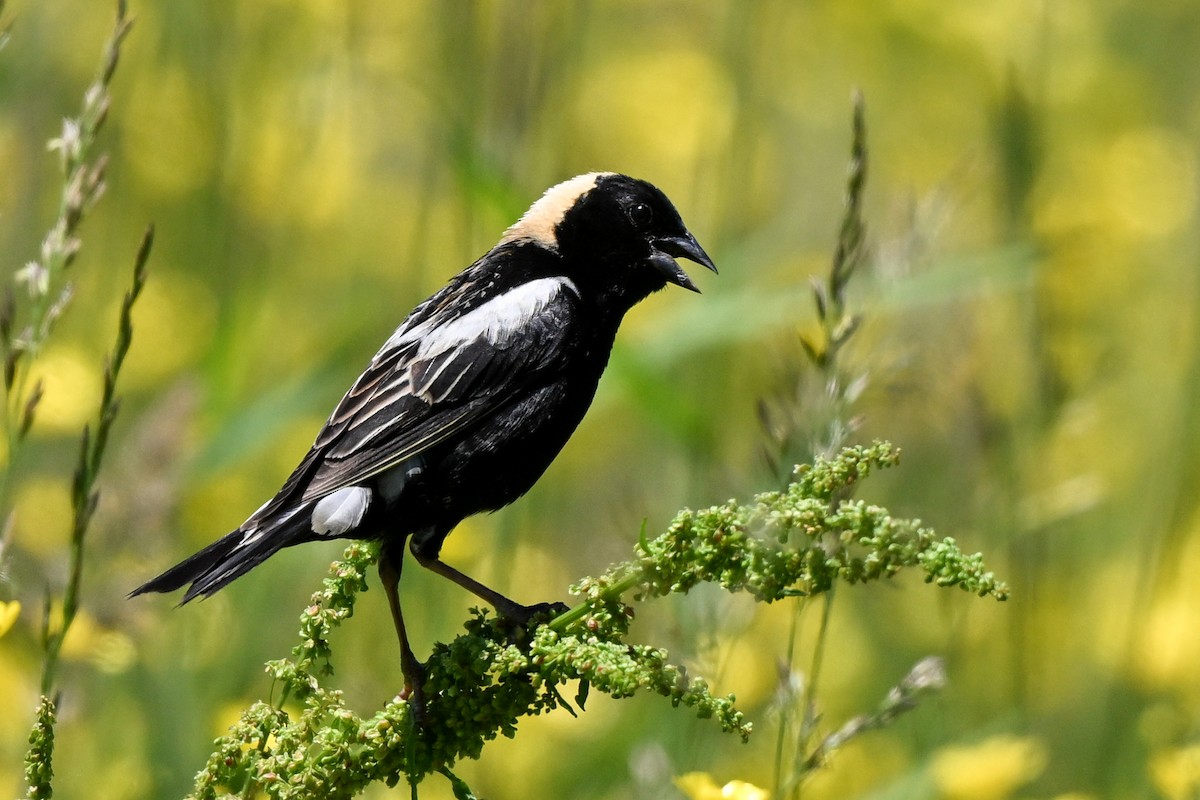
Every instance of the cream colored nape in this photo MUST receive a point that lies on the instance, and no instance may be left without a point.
(538, 223)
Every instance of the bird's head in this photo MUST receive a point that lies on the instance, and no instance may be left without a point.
(614, 232)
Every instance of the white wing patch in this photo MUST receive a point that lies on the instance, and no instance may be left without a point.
(339, 512)
(498, 318)
(495, 320)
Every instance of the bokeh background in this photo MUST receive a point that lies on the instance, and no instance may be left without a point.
(315, 169)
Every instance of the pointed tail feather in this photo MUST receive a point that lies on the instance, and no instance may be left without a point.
(225, 560)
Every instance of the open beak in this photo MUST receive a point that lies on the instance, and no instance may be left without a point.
(664, 251)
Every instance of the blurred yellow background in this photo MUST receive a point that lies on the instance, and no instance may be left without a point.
(316, 169)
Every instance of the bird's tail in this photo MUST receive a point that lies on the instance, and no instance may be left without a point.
(225, 560)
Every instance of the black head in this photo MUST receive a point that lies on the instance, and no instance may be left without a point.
(617, 232)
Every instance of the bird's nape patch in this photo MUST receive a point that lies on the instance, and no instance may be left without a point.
(538, 223)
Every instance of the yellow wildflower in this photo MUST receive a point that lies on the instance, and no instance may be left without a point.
(990, 770)
(1176, 772)
(701, 786)
(8, 615)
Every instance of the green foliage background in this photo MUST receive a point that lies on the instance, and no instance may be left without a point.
(315, 169)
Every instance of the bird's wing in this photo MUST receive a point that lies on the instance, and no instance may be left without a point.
(436, 376)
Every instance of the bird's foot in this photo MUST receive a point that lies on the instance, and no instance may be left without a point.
(538, 612)
(414, 692)
(519, 620)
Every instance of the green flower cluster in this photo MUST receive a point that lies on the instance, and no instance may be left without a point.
(39, 760)
(798, 541)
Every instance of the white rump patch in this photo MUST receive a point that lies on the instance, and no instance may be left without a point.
(337, 513)
(538, 223)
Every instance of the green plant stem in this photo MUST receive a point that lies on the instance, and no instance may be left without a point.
(83, 183)
(786, 704)
(577, 613)
(837, 327)
(84, 496)
(809, 703)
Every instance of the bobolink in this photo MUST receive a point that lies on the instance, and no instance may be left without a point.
(472, 397)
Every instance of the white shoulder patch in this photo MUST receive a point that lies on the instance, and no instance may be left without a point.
(538, 223)
(494, 320)
(341, 511)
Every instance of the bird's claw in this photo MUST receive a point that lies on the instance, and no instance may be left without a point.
(542, 612)
(414, 692)
(520, 620)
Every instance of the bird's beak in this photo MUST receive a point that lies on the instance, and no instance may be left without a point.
(664, 251)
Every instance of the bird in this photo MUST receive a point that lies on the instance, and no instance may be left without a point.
(472, 397)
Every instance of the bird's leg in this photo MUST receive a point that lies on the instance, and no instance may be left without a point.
(391, 561)
(509, 610)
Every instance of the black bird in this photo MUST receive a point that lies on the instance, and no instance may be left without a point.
(472, 397)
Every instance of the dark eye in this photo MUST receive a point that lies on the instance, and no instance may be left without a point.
(641, 215)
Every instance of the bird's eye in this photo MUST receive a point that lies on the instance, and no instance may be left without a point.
(640, 215)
